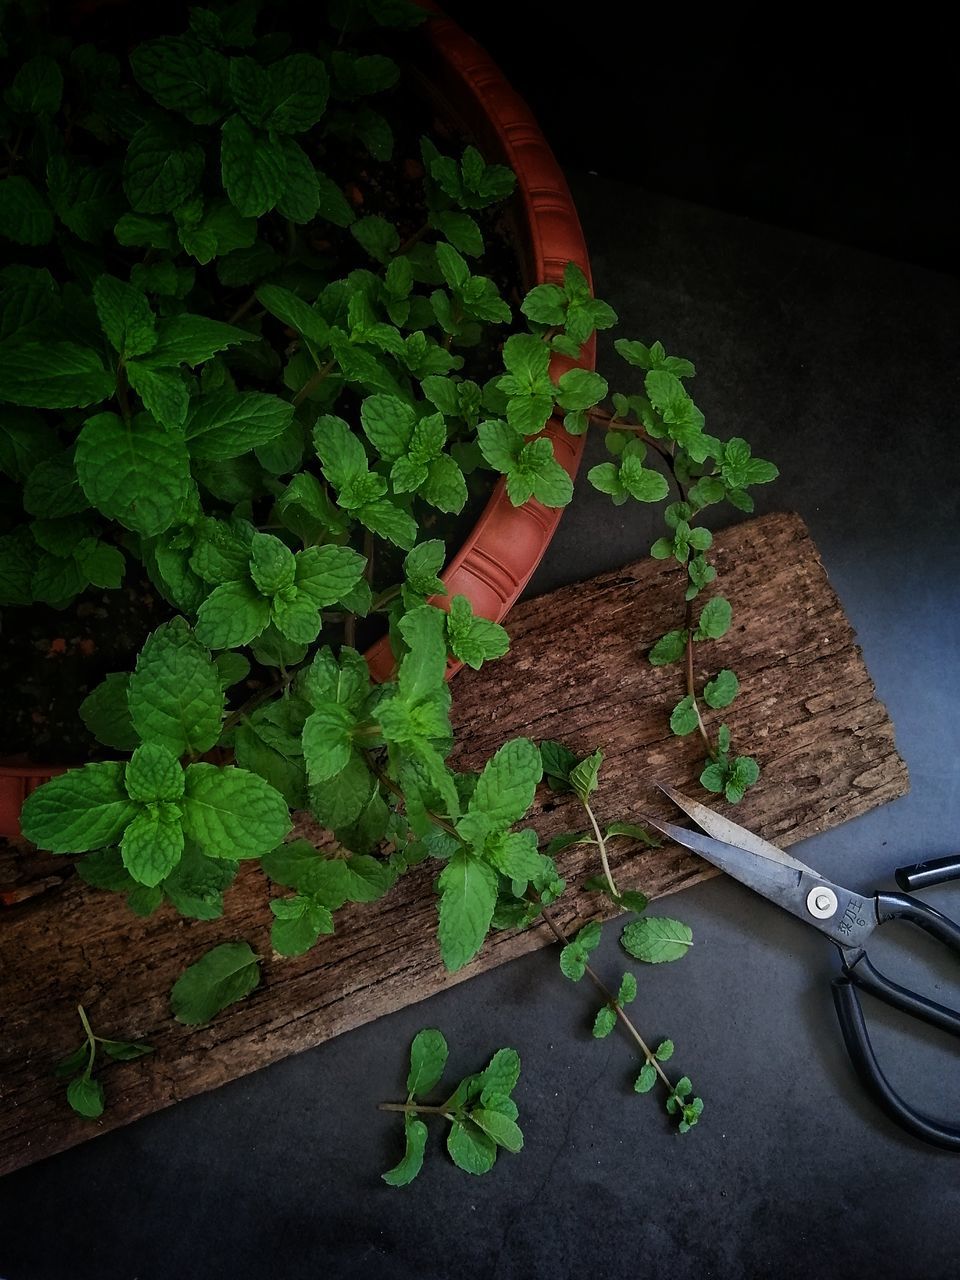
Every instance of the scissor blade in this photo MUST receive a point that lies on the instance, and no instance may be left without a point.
(721, 828)
(851, 918)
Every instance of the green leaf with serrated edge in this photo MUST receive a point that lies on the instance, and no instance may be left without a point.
(664, 1050)
(220, 978)
(300, 200)
(604, 1022)
(298, 91)
(501, 1074)
(428, 1057)
(293, 311)
(37, 87)
(153, 773)
(78, 811)
(327, 741)
(721, 690)
(175, 698)
(85, 1095)
(190, 339)
(227, 424)
(252, 168)
(137, 474)
(580, 389)
(73, 1062)
(515, 854)
(470, 1148)
(714, 620)
(557, 761)
(388, 422)
(474, 640)
(633, 832)
(504, 1131)
(182, 75)
(53, 375)
(106, 714)
(628, 989)
(272, 564)
(389, 522)
(656, 939)
(231, 668)
(232, 813)
(125, 1050)
(646, 1079)
(25, 216)
(298, 925)
(422, 566)
(125, 316)
(669, 648)
(163, 392)
(197, 883)
(506, 787)
(331, 679)
(152, 843)
(415, 1132)
(684, 718)
(367, 879)
(162, 168)
(468, 895)
(232, 615)
(583, 776)
(326, 574)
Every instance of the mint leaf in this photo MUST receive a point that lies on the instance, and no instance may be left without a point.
(53, 375)
(415, 1132)
(25, 216)
(669, 648)
(628, 989)
(470, 1148)
(722, 690)
(125, 315)
(175, 697)
(646, 1079)
(182, 75)
(504, 1131)
(252, 167)
(604, 1022)
(85, 1095)
(137, 474)
(506, 787)
(162, 168)
(656, 939)
(684, 718)
(36, 89)
(80, 810)
(300, 922)
(232, 813)
(162, 391)
(220, 978)
(664, 1051)
(473, 640)
(153, 843)
(428, 1057)
(327, 741)
(583, 777)
(326, 574)
(298, 92)
(153, 774)
(468, 895)
(106, 714)
(189, 339)
(232, 615)
(714, 619)
(227, 424)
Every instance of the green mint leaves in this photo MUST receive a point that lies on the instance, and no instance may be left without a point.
(84, 1093)
(218, 979)
(481, 1112)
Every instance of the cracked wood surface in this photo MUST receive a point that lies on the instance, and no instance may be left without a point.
(807, 710)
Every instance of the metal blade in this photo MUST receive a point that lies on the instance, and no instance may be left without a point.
(714, 824)
(846, 918)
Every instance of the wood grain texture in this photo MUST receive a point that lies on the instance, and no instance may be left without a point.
(577, 670)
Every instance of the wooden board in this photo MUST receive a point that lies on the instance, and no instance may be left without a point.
(577, 671)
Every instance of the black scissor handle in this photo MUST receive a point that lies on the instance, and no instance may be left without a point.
(861, 973)
(900, 906)
(865, 1061)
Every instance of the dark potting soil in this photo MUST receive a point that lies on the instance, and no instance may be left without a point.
(51, 659)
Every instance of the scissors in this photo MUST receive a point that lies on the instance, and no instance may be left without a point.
(848, 919)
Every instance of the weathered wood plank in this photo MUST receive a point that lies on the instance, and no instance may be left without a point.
(577, 671)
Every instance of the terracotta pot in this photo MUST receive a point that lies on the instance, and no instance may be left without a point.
(497, 560)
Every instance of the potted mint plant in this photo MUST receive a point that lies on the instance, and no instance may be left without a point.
(238, 364)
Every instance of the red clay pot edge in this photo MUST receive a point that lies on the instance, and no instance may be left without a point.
(498, 559)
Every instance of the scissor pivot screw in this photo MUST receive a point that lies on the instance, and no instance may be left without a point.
(822, 902)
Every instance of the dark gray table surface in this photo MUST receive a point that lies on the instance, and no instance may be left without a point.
(842, 367)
